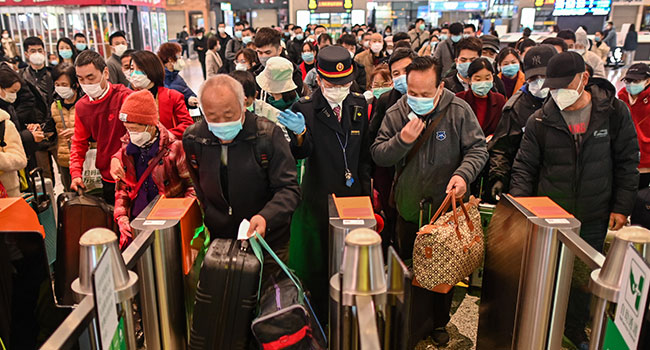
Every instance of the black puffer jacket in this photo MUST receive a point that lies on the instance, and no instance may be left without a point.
(505, 143)
(601, 178)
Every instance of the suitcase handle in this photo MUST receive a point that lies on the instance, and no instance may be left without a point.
(41, 202)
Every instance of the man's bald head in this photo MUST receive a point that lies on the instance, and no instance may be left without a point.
(222, 99)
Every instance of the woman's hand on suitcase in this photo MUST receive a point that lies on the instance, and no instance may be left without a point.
(458, 183)
(117, 169)
(125, 231)
(77, 183)
(258, 224)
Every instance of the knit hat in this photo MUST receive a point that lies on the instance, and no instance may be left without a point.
(140, 107)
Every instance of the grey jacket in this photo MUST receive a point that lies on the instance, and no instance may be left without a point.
(232, 48)
(456, 147)
(115, 74)
(445, 55)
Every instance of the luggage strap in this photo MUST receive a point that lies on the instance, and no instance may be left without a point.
(287, 340)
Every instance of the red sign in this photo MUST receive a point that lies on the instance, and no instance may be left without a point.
(148, 3)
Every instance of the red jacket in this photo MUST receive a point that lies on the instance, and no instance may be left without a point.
(171, 175)
(495, 104)
(640, 111)
(173, 112)
(98, 120)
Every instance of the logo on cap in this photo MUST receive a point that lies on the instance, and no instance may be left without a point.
(123, 117)
(537, 60)
(339, 66)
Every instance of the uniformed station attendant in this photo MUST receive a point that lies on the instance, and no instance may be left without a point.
(330, 131)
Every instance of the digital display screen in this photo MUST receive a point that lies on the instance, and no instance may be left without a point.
(581, 7)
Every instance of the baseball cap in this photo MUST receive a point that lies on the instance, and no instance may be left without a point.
(490, 42)
(637, 71)
(536, 60)
(562, 69)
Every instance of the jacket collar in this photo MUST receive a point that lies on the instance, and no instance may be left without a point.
(326, 115)
(643, 98)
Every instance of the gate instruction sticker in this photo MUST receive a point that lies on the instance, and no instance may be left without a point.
(632, 297)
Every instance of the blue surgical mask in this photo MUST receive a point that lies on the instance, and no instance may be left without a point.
(377, 92)
(420, 105)
(597, 38)
(226, 131)
(307, 56)
(443, 37)
(482, 88)
(400, 84)
(635, 88)
(422, 26)
(456, 38)
(300, 36)
(238, 34)
(462, 68)
(510, 70)
(80, 46)
(65, 53)
(246, 39)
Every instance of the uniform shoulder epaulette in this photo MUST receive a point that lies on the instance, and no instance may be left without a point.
(305, 99)
(356, 94)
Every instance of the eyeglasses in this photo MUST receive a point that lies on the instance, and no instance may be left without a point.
(384, 84)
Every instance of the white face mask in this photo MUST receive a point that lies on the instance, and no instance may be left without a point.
(119, 49)
(10, 97)
(535, 88)
(222, 30)
(376, 47)
(336, 94)
(37, 59)
(566, 97)
(241, 66)
(94, 91)
(64, 91)
(179, 65)
(5, 36)
(139, 81)
(140, 138)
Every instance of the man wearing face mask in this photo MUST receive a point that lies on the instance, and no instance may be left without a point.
(153, 159)
(267, 41)
(330, 129)
(505, 143)
(36, 73)
(233, 46)
(373, 57)
(201, 46)
(114, 63)
(242, 168)
(294, 49)
(96, 117)
(580, 149)
(446, 49)
(436, 144)
(419, 35)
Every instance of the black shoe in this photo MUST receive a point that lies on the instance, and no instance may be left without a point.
(440, 336)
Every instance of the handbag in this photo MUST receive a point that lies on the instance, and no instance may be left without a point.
(450, 247)
(286, 319)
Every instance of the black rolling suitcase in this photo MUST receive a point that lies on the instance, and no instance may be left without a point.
(226, 297)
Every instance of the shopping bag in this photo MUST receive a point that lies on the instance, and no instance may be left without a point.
(450, 247)
(91, 175)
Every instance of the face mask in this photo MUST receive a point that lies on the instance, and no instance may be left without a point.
(54, 62)
(238, 34)
(389, 51)
(400, 84)
(139, 80)
(80, 46)
(179, 65)
(535, 88)
(251, 108)
(5, 36)
(462, 68)
(10, 97)
(420, 105)
(287, 35)
(37, 59)
(65, 53)
(64, 91)
(510, 70)
(226, 131)
(489, 59)
(566, 97)
(222, 30)
(93, 90)
(481, 88)
(351, 54)
(456, 38)
(366, 44)
(213, 31)
(443, 37)
(263, 60)
(465, 35)
(307, 56)
(336, 94)
(281, 104)
(119, 49)
(376, 47)
(578, 51)
(635, 88)
(140, 138)
(380, 91)
(241, 66)
(300, 36)
(199, 36)
(247, 39)
(422, 26)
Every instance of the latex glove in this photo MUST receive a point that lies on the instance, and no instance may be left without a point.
(258, 224)
(117, 170)
(497, 189)
(617, 221)
(292, 121)
(459, 184)
(126, 237)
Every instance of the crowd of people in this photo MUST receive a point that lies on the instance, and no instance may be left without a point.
(398, 116)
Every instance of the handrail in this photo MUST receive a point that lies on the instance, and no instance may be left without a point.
(582, 250)
(67, 334)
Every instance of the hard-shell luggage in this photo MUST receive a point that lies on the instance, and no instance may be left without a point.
(226, 297)
(77, 214)
(41, 201)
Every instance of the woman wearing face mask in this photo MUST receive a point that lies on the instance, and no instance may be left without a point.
(67, 93)
(213, 61)
(509, 64)
(380, 83)
(9, 45)
(66, 51)
(277, 85)
(308, 55)
(170, 55)
(246, 60)
(637, 97)
(486, 104)
(147, 73)
(154, 163)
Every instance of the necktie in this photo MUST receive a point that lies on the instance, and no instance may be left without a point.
(337, 112)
